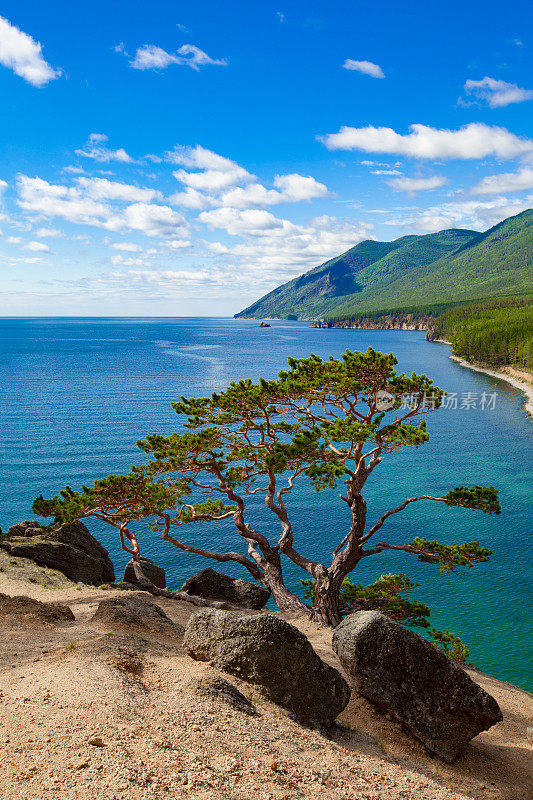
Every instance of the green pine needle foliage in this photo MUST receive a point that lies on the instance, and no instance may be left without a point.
(451, 557)
(387, 595)
(451, 645)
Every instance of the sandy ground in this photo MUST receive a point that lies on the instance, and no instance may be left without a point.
(521, 380)
(62, 685)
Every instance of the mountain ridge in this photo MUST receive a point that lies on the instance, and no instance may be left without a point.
(413, 271)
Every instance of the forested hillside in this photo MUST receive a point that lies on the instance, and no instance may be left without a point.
(497, 332)
(415, 272)
(355, 276)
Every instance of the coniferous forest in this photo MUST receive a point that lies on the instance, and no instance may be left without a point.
(497, 332)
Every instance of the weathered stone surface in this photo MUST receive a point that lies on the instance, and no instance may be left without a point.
(68, 548)
(135, 611)
(26, 610)
(216, 586)
(274, 656)
(152, 572)
(410, 679)
(216, 688)
(24, 528)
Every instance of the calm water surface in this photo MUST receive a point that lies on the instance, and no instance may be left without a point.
(77, 393)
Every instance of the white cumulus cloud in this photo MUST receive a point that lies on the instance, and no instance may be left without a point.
(291, 188)
(150, 56)
(476, 214)
(252, 222)
(52, 233)
(37, 247)
(213, 180)
(155, 220)
(199, 157)
(21, 53)
(127, 261)
(366, 67)
(219, 181)
(178, 244)
(475, 140)
(96, 148)
(413, 185)
(295, 188)
(505, 182)
(191, 199)
(51, 200)
(37, 196)
(253, 195)
(213, 174)
(497, 93)
(104, 189)
(128, 247)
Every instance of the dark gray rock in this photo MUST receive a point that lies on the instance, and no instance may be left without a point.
(152, 572)
(135, 612)
(414, 682)
(23, 528)
(215, 688)
(216, 586)
(272, 655)
(68, 548)
(20, 609)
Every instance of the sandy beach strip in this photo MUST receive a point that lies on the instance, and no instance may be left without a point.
(522, 384)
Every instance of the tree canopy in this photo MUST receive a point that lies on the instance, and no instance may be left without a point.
(325, 422)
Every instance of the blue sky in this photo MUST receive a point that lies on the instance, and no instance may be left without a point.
(183, 159)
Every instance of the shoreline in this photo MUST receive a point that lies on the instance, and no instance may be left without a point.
(516, 381)
(522, 385)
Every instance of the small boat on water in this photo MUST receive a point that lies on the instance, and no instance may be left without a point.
(264, 324)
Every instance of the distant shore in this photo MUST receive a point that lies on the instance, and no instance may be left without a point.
(522, 381)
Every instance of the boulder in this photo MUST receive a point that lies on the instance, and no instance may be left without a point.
(414, 682)
(152, 572)
(216, 586)
(135, 612)
(68, 548)
(26, 610)
(272, 655)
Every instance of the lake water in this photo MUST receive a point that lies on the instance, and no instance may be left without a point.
(77, 393)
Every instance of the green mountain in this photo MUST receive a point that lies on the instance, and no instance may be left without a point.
(414, 272)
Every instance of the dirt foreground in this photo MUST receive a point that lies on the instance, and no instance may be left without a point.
(89, 713)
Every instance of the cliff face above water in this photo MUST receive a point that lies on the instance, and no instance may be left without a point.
(389, 322)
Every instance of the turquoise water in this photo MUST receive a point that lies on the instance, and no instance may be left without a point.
(76, 394)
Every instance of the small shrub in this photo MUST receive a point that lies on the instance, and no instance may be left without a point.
(450, 645)
(387, 595)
